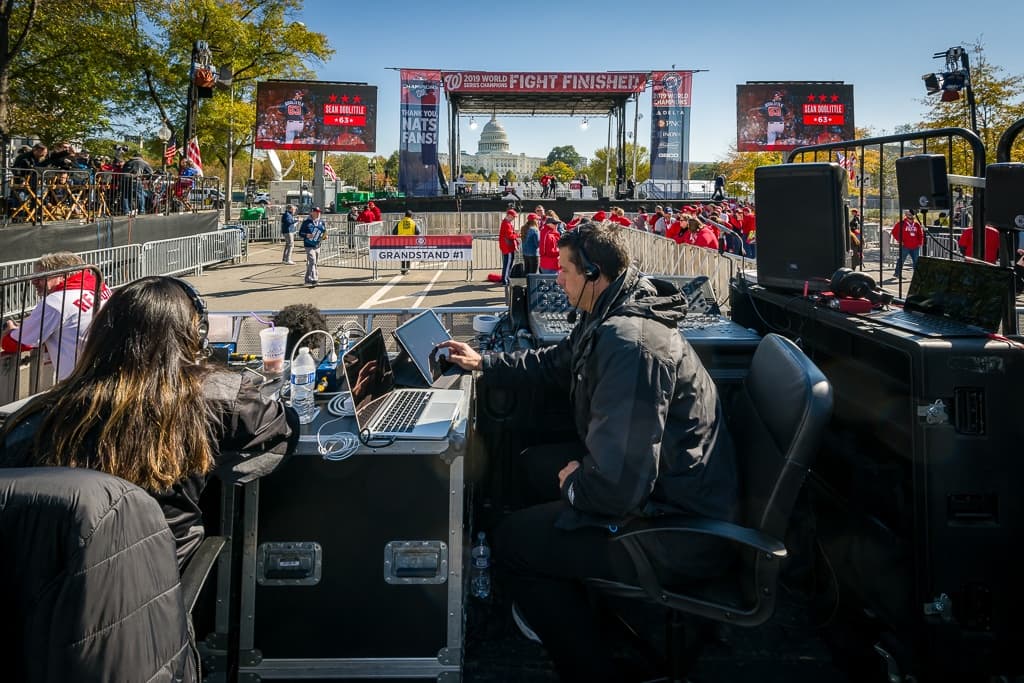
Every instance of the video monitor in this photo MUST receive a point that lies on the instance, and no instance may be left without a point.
(316, 115)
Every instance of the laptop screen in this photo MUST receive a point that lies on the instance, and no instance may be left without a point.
(965, 291)
(420, 337)
(369, 374)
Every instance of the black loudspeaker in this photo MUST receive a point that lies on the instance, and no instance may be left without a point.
(921, 182)
(801, 224)
(1004, 196)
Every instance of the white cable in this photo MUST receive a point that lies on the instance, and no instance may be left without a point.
(339, 446)
(331, 354)
(341, 405)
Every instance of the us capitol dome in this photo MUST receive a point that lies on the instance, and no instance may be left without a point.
(493, 139)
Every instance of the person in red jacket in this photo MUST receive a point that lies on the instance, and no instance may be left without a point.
(699, 235)
(508, 242)
(366, 215)
(549, 247)
(375, 209)
(909, 234)
(966, 243)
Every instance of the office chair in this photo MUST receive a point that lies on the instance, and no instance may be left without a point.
(91, 588)
(777, 422)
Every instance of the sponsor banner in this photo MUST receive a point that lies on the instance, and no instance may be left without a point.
(784, 115)
(543, 82)
(670, 125)
(421, 248)
(316, 115)
(419, 128)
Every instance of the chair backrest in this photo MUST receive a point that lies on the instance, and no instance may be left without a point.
(90, 582)
(777, 423)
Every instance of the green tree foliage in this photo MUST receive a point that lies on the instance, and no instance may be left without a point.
(566, 154)
(999, 102)
(391, 168)
(72, 69)
(596, 168)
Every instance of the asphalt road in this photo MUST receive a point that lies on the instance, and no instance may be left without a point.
(263, 283)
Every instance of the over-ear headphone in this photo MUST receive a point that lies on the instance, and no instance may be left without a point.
(850, 283)
(591, 271)
(203, 327)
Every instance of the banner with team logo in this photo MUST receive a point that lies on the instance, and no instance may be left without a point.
(417, 168)
(421, 248)
(670, 127)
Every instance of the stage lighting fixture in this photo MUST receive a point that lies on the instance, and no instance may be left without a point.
(584, 124)
(948, 83)
(931, 83)
(472, 123)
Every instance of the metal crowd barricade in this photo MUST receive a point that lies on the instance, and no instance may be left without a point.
(191, 253)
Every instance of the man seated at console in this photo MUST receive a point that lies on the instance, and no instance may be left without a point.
(142, 405)
(652, 440)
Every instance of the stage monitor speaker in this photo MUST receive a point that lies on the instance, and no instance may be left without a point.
(921, 182)
(1004, 196)
(802, 236)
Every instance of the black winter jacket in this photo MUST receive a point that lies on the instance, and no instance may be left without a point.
(644, 407)
(253, 434)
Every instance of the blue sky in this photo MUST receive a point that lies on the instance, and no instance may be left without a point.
(881, 47)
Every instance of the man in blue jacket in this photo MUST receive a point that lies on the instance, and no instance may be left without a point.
(312, 232)
(288, 233)
(651, 440)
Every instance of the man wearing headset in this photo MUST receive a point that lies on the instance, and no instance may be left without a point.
(652, 439)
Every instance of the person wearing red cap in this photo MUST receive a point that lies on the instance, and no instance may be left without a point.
(376, 211)
(508, 242)
(599, 216)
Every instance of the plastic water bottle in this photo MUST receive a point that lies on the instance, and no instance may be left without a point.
(303, 382)
(480, 576)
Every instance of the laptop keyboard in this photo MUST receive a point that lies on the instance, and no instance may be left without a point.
(404, 411)
(929, 325)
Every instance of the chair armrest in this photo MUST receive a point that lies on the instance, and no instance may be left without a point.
(194, 576)
(704, 525)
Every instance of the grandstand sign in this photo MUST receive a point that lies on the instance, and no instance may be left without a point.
(421, 248)
(543, 82)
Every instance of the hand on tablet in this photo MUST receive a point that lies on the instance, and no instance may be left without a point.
(459, 353)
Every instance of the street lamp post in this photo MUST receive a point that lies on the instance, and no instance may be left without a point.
(372, 168)
(164, 134)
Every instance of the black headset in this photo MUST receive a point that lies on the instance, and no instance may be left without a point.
(591, 271)
(203, 328)
(850, 283)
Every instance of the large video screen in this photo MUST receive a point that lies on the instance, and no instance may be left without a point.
(316, 115)
(778, 117)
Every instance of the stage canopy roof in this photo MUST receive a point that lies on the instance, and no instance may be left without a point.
(533, 93)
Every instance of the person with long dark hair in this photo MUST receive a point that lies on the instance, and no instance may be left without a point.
(143, 405)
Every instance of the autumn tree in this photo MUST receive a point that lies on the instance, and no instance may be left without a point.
(596, 168)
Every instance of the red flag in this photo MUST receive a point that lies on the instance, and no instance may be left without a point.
(329, 171)
(192, 152)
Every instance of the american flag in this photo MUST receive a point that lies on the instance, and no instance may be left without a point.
(192, 152)
(172, 149)
(847, 162)
(329, 171)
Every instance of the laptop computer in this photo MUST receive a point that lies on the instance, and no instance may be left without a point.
(384, 411)
(419, 338)
(952, 298)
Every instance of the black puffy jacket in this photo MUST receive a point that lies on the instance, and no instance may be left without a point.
(644, 407)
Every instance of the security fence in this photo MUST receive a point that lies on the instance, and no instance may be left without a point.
(37, 195)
